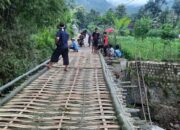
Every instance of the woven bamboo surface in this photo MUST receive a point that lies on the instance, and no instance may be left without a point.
(58, 100)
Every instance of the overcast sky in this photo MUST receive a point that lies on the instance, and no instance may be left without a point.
(134, 2)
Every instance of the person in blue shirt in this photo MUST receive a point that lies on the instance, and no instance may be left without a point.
(74, 45)
(61, 41)
(117, 52)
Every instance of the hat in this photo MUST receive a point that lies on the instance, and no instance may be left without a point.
(61, 25)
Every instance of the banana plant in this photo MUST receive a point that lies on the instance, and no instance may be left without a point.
(120, 25)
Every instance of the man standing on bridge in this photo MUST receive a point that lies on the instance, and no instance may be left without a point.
(61, 41)
(96, 37)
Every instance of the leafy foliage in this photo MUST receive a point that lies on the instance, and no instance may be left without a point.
(120, 11)
(154, 33)
(80, 15)
(26, 34)
(153, 8)
(4, 4)
(93, 17)
(120, 25)
(167, 32)
(142, 28)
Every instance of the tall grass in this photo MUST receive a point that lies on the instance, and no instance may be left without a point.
(149, 49)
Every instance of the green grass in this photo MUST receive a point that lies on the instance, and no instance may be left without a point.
(132, 48)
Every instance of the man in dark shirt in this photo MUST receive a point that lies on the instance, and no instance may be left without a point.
(89, 39)
(61, 41)
(96, 37)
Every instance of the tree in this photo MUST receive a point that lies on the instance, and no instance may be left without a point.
(142, 27)
(80, 15)
(93, 17)
(164, 16)
(176, 8)
(153, 8)
(91, 26)
(20, 22)
(108, 16)
(4, 4)
(31, 13)
(120, 11)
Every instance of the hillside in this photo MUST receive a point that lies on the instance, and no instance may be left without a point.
(102, 5)
(98, 5)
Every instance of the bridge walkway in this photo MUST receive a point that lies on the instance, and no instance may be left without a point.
(59, 100)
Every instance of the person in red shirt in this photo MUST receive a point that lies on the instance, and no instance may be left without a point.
(105, 43)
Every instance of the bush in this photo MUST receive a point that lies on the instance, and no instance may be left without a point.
(21, 53)
(168, 32)
(19, 49)
(142, 27)
(154, 33)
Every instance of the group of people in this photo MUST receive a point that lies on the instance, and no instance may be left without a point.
(82, 39)
(102, 43)
(99, 42)
(114, 52)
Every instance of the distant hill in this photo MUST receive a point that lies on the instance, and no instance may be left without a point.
(132, 9)
(102, 5)
(98, 5)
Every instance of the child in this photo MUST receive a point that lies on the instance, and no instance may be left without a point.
(110, 51)
(117, 52)
(74, 45)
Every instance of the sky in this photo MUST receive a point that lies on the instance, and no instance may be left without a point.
(130, 2)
